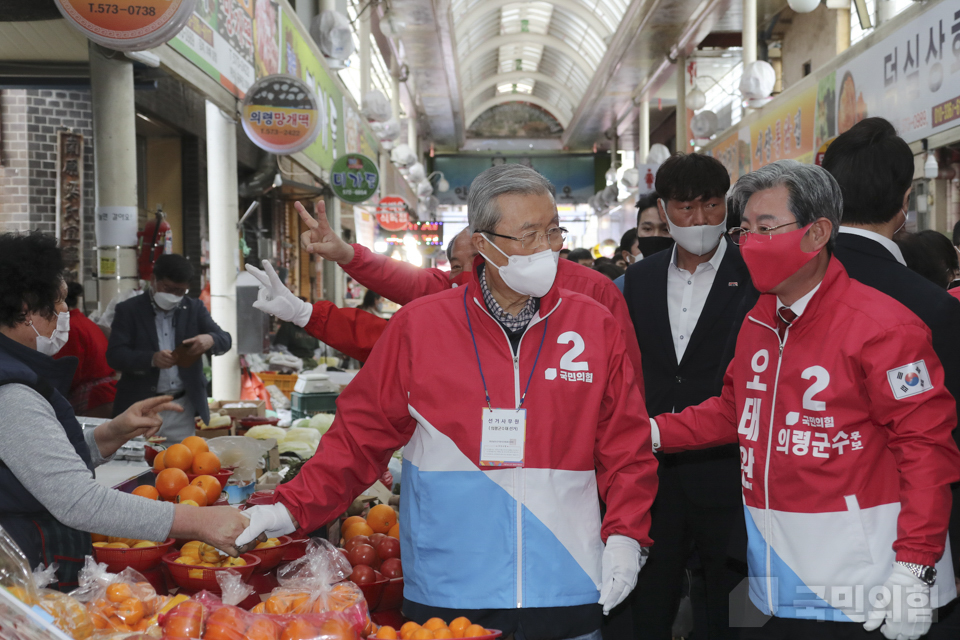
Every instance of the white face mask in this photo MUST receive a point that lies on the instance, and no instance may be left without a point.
(531, 275)
(698, 240)
(50, 346)
(167, 301)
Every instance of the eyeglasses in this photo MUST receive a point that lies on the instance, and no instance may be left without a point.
(532, 239)
(739, 234)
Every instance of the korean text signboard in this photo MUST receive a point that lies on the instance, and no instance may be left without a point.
(354, 178)
(280, 115)
(128, 25)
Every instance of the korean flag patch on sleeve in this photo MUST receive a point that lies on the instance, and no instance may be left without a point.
(909, 380)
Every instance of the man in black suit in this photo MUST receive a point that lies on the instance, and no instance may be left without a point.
(874, 168)
(156, 341)
(685, 304)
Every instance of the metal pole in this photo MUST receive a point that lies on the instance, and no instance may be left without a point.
(682, 141)
(364, 35)
(644, 125)
(115, 172)
(749, 35)
(223, 212)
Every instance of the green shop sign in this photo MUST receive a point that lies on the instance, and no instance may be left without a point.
(354, 178)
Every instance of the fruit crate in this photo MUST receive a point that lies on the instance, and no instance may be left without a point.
(305, 405)
(285, 382)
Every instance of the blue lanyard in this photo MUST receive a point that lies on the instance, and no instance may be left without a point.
(477, 352)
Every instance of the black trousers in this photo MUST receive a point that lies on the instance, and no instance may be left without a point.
(678, 528)
(793, 629)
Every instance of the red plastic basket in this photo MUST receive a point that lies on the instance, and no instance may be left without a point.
(196, 578)
(142, 559)
(270, 558)
(373, 592)
(392, 596)
(223, 475)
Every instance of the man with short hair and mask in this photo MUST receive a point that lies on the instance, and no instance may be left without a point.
(145, 336)
(685, 304)
(837, 401)
(518, 410)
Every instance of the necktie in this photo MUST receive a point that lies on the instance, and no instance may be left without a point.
(785, 318)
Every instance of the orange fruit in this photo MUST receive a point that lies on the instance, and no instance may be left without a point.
(263, 628)
(288, 602)
(299, 629)
(357, 529)
(381, 518)
(474, 631)
(158, 462)
(394, 531)
(146, 491)
(116, 545)
(259, 608)
(98, 537)
(118, 592)
(210, 485)
(407, 630)
(196, 494)
(457, 626)
(206, 463)
(434, 623)
(422, 634)
(386, 632)
(130, 611)
(178, 456)
(336, 629)
(443, 634)
(195, 444)
(171, 481)
(350, 521)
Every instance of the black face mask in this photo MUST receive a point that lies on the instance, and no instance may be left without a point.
(653, 244)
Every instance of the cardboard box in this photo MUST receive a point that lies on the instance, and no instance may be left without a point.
(259, 410)
(216, 433)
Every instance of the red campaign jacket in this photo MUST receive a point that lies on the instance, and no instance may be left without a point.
(587, 439)
(845, 446)
(352, 332)
(402, 282)
(89, 345)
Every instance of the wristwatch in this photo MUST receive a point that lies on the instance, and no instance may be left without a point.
(928, 575)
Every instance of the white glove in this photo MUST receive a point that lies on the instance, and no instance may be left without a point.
(903, 608)
(274, 298)
(620, 567)
(271, 519)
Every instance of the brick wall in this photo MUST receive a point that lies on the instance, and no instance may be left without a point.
(28, 187)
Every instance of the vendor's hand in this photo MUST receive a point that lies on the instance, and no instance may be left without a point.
(274, 297)
(199, 345)
(163, 359)
(217, 526)
(903, 607)
(272, 520)
(141, 419)
(321, 238)
(620, 567)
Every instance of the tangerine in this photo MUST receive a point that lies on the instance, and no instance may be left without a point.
(119, 592)
(146, 491)
(259, 608)
(299, 629)
(434, 623)
(196, 494)
(386, 632)
(381, 518)
(406, 631)
(210, 485)
(457, 625)
(170, 481)
(443, 634)
(336, 629)
(394, 531)
(357, 529)
(158, 462)
(206, 463)
(130, 611)
(351, 521)
(263, 628)
(422, 634)
(195, 444)
(178, 456)
(474, 631)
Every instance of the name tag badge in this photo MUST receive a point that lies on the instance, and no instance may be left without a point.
(502, 437)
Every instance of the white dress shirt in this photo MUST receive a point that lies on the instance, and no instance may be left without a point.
(884, 241)
(687, 293)
(800, 305)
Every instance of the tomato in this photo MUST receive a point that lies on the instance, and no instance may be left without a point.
(362, 574)
(375, 539)
(354, 541)
(392, 568)
(388, 548)
(362, 554)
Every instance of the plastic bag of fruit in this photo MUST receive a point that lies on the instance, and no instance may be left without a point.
(233, 590)
(15, 575)
(122, 602)
(220, 621)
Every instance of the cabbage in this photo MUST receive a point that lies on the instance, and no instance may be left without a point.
(302, 423)
(302, 449)
(322, 422)
(266, 431)
(295, 434)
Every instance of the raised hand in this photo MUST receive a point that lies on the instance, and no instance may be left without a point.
(274, 298)
(320, 238)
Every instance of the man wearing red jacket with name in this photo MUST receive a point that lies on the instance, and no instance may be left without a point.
(837, 400)
(518, 412)
(402, 282)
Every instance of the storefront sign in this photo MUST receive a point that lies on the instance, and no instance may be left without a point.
(911, 77)
(222, 39)
(128, 25)
(70, 201)
(571, 174)
(428, 233)
(784, 131)
(364, 227)
(392, 213)
(354, 178)
(280, 115)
